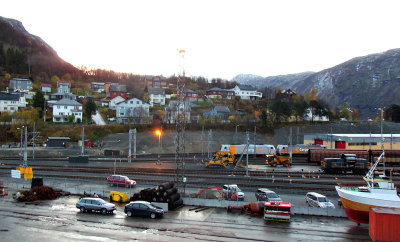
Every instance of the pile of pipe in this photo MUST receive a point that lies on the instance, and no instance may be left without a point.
(164, 193)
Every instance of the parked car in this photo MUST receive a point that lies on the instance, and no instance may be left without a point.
(264, 194)
(317, 200)
(232, 192)
(143, 209)
(120, 180)
(95, 204)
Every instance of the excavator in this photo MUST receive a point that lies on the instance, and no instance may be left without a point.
(274, 160)
(221, 159)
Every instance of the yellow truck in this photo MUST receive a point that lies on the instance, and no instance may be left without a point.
(274, 160)
(221, 158)
(118, 197)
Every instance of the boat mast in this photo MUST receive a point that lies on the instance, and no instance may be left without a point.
(382, 144)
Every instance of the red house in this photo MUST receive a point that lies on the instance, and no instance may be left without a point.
(116, 90)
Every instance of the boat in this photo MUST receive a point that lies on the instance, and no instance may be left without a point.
(378, 192)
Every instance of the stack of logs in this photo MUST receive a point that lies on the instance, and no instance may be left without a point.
(40, 193)
(164, 193)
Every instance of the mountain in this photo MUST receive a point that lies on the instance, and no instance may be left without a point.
(283, 81)
(365, 83)
(20, 48)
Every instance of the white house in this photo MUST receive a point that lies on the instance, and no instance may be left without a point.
(12, 101)
(157, 96)
(310, 117)
(20, 84)
(132, 111)
(172, 111)
(247, 92)
(113, 102)
(66, 107)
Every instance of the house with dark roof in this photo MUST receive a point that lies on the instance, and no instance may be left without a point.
(11, 102)
(191, 95)
(157, 96)
(220, 93)
(20, 84)
(97, 86)
(64, 108)
(222, 112)
(247, 92)
(116, 89)
(156, 82)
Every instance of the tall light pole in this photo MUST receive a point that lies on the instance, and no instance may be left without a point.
(158, 132)
(20, 143)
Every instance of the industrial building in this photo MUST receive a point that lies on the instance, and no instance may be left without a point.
(354, 141)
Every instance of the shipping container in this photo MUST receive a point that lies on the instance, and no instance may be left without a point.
(384, 224)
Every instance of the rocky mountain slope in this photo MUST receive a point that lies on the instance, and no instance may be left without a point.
(365, 83)
(36, 52)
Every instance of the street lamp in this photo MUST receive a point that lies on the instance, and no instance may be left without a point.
(158, 132)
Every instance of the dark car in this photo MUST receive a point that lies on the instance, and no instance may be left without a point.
(95, 204)
(264, 194)
(120, 180)
(143, 209)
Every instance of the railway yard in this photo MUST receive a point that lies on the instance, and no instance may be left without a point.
(189, 222)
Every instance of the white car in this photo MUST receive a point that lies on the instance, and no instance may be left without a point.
(317, 200)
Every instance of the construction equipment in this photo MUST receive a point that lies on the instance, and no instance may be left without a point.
(274, 160)
(221, 158)
(118, 197)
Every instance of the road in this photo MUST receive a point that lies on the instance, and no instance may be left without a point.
(98, 119)
(59, 220)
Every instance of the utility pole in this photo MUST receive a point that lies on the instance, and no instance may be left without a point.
(247, 153)
(297, 136)
(33, 142)
(83, 141)
(130, 146)
(202, 142)
(25, 151)
(44, 110)
(255, 148)
(134, 143)
(209, 143)
(290, 144)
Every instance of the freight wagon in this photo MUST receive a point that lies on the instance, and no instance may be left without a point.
(392, 157)
(259, 150)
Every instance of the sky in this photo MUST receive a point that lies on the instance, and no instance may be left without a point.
(221, 38)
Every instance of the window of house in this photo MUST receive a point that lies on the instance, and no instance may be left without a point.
(122, 114)
(58, 107)
(65, 107)
(5, 102)
(137, 102)
(5, 108)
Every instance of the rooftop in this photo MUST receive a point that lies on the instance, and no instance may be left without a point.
(68, 102)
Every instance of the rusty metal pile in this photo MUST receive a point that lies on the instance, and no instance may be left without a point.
(40, 193)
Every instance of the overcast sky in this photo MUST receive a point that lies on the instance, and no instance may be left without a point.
(221, 38)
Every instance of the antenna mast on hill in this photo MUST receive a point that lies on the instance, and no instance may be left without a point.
(180, 123)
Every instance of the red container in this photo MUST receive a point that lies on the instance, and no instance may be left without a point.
(384, 224)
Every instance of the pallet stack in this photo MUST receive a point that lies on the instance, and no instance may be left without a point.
(164, 193)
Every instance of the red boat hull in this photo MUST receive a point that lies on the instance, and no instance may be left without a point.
(357, 216)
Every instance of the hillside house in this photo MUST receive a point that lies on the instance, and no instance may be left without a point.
(113, 102)
(11, 102)
(66, 107)
(222, 112)
(191, 95)
(157, 96)
(247, 92)
(132, 111)
(45, 87)
(171, 111)
(156, 82)
(116, 89)
(19, 84)
(63, 87)
(310, 116)
(97, 86)
(220, 93)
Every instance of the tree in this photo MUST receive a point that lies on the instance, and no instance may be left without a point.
(39, 102)
(281, 109)
(299, 109)
(316, 109)
(264, 118)
(90, 108)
